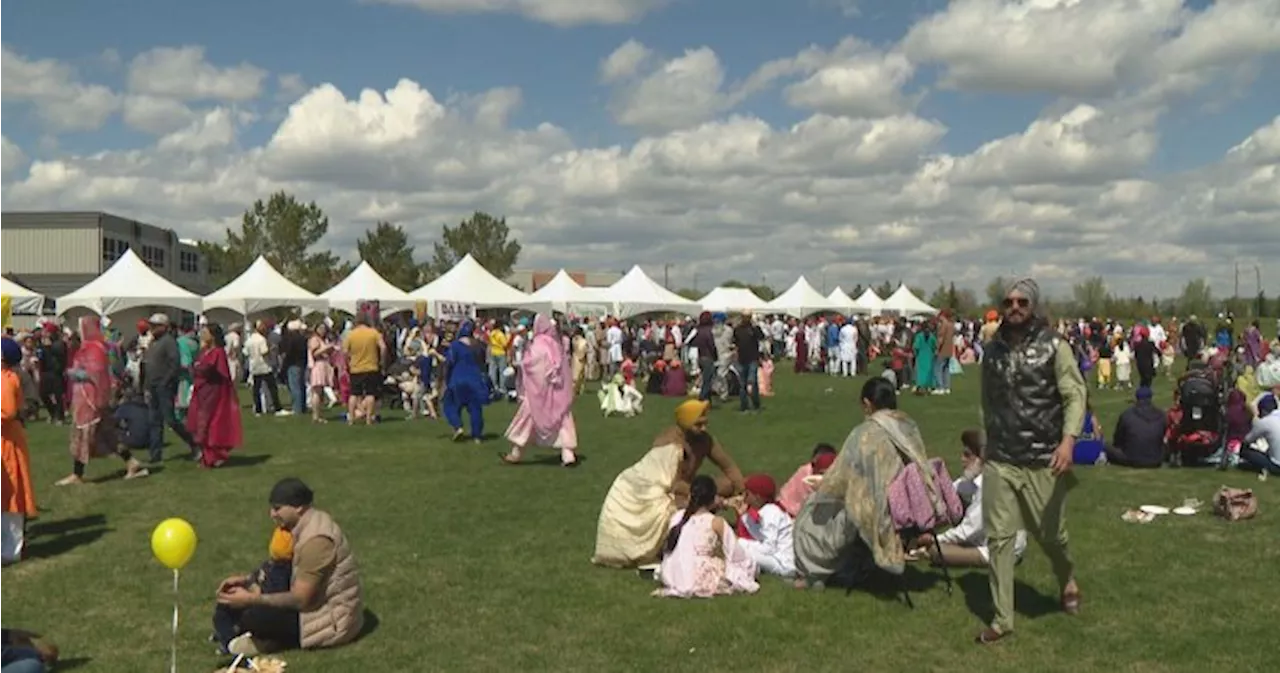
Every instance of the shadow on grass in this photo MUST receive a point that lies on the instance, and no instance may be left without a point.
(72, 663)
(545, 460)
(371, 624)
(118, 475)
(1027, 601)
(57, 537)
(245, 461)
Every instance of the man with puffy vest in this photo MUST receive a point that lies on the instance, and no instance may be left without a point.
(1033, 405)
(324, 606)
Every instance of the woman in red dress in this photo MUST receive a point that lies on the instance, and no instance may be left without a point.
(214, 416)
(802, 349)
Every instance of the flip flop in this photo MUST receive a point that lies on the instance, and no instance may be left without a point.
(990, 636)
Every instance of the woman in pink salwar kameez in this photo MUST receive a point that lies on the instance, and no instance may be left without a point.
(214, 416)
(701, 557)
(545, 417)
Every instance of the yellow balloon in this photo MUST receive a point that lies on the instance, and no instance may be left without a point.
(174, 543)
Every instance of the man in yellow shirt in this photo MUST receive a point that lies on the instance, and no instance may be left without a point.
(498, 342)
(365, 351)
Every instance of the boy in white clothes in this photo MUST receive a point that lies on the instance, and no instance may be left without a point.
(965, 545)
(764, 529)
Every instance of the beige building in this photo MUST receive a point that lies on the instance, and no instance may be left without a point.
(55, 253)
(531, 280)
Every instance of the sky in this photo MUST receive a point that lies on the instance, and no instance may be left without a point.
(851, 141)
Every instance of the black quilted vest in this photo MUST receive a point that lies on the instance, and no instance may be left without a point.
(1022, 407)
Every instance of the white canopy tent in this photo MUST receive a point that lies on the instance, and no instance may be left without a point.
(21, 299)
(904, 302)
(259, 288)
(128, 284)
(801, 300)
(470, 283)
(636, 293)
(868, 302)
(365, 284)
(839, 298)
(565, 295)
(732, 300)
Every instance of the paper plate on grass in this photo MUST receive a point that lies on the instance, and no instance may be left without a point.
(1155, 509)
(1184, 511)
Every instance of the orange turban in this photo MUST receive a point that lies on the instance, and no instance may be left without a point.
(281, 547)
(992, 315)
(689, 412)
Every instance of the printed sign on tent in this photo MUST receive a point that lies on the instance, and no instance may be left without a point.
(454, 311)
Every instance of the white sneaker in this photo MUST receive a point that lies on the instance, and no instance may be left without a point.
(1262, 476)
(284, 412)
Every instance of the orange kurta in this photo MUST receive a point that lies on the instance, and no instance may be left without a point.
(19, 498)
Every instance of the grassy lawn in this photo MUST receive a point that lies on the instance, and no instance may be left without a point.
(470, 565)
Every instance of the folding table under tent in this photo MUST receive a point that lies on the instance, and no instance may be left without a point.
(129, 284)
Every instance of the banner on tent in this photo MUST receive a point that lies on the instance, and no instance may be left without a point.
(453, 311)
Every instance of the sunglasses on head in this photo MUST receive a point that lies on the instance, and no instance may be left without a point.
(1020, 302)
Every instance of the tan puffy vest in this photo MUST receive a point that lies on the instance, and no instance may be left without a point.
(338, 615)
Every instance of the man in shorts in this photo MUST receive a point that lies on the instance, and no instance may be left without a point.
(365, 350)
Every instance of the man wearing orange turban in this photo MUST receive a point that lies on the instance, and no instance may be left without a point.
(637, 510)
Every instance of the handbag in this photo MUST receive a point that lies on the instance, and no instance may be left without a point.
(1235, 504)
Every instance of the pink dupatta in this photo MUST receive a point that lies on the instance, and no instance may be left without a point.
(547, 378)
(91, 383)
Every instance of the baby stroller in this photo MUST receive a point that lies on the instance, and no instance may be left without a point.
(1199, 431)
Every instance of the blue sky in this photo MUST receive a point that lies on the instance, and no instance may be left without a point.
(1175, 134)
(356, 45)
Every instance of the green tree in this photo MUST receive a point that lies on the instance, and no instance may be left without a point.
(884, 289)
(762, 291)
(690, 293)
(1197, 298)
(940, 299)
(996, 290)
(386, 248)
(283, 230)
(1091, 296)
(1262, 304)
(484, 237)
(856, 291)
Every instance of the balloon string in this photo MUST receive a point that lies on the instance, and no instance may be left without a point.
(173, 654)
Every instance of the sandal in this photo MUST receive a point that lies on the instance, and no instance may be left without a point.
(1071, 602)
(509, 459)
(990, 636)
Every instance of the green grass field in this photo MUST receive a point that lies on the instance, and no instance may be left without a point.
(470, 565)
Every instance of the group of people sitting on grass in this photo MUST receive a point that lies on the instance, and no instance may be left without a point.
(830, 522)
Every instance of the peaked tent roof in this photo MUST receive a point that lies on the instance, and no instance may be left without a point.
(24, 300)
(129, 283)
(905, 302)
(839, 298)
(868, 302)
(565, 295)
(636, 293)
(362, 284)
(470, 283)
(802, 300)
(732, 300)
(259, 288)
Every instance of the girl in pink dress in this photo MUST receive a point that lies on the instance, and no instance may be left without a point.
(701, 557)
(319, 370)
(766, 376)
(545, 389)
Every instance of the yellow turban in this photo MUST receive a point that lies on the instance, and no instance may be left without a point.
(689, 412)
(281, 547)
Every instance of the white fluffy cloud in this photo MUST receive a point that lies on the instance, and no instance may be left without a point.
(60, 100)
(859, 189)
(12, 157)
(555, 12)
(183, 73)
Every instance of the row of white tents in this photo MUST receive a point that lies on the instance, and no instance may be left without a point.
(132, 286)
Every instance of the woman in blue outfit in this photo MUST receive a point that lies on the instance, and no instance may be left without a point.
(466, 385)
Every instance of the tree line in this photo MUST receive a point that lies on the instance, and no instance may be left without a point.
(288, 233)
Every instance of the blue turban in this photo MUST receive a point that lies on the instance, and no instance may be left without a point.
(12, 352)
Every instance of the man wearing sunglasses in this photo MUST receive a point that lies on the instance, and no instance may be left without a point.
(1033, 405)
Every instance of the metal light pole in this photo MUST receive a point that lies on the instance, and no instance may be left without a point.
(666, 276)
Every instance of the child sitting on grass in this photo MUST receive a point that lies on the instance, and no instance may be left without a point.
(272, 577)
(802, 484)
(965, 545)
(764, 529)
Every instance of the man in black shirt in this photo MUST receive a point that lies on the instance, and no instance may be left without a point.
(293, 360)
(1139, 437)
(746, 343)
(161, 370)
(1193, 337)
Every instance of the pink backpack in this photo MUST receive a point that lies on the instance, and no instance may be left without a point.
(910, 506)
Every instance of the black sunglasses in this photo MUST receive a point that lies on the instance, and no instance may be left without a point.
(1020, 302)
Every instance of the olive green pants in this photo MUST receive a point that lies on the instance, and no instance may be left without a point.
(1029, 498)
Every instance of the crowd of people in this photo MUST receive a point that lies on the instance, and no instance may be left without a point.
(841, 517)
